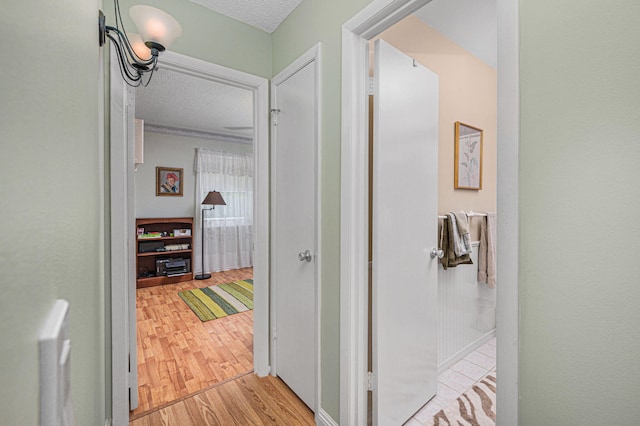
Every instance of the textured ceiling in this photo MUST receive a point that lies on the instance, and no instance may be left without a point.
(266, 15)
(184, 104)
(188, 104)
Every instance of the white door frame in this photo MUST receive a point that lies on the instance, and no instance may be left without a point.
(368, 23)
(122, 216)
(122, 268)
(314, 56)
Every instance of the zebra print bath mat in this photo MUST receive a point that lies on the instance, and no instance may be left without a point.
(475, 407)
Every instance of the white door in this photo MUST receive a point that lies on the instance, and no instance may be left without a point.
(294, 212)
(405, 220)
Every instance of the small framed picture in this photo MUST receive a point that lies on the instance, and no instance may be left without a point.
(468, 157)
(169, 181)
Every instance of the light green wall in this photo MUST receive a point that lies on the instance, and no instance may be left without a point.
(310, 23)
(162, 150)
(210, 36)
(51, 195)
(579, 200)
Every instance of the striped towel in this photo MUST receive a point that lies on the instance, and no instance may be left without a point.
(487, 251)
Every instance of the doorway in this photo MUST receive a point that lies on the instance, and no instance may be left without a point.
(296, 251)
(123, 330)
(464, 304)
(404, 183)
(363, 27)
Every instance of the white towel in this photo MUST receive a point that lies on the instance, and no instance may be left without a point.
(461, 238)
(487, 251)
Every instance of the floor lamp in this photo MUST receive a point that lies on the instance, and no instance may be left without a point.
(212, 199)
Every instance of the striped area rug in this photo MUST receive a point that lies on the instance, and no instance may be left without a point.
(475, 407)
(221, 300)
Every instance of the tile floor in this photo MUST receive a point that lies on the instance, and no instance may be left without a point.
(456, 380)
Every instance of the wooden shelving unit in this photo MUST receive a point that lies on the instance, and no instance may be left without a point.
(147, 271)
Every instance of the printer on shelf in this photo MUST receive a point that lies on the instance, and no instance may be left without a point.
(172, 267)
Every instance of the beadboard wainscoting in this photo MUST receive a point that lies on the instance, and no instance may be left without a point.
(467, 312)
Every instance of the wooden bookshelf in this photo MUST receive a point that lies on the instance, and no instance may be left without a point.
(149, 251)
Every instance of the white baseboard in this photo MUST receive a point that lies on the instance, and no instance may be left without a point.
(445, 365)
(324, 419)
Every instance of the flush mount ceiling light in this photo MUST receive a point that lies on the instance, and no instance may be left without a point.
(138, 53)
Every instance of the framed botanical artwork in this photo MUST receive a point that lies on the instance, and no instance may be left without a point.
(169, 181)
(467, 172)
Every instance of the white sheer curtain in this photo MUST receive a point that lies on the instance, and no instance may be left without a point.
(228, 230)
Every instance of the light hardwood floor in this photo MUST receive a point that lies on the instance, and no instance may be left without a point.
(178, 355)
(243, 401)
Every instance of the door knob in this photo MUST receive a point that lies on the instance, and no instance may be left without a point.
(304, 255)
(437, 253)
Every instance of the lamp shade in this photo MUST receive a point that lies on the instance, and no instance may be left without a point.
(139, 47)
(155, 26)
(214, 198)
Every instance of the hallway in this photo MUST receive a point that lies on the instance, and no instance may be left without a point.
(179, 355)
(244, 400)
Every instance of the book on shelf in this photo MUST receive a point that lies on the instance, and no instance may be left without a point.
(150, 235)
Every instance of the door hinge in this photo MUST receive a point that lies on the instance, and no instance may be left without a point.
(130, 97)
(274, 116)
(273, 333)
(370, 85)
(369, 381)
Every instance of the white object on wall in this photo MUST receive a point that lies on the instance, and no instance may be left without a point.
(139, 134)
(56, 408)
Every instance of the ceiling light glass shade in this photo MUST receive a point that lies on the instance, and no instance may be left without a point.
(157, 28)
(139, 47)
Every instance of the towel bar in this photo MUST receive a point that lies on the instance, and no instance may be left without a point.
(469, 214)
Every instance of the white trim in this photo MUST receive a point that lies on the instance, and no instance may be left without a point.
(318, 257)
(380, 15)
(131, 242)
(104, 215)
(302, 61)
(121, 270)
(353, 234)
(214, 72)
(170, 130)
(312, 55)
(261, 229)
(324, 419)
(455, 358)
(369, 22)
(507, 304)
(120, 219)
(260, 87)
